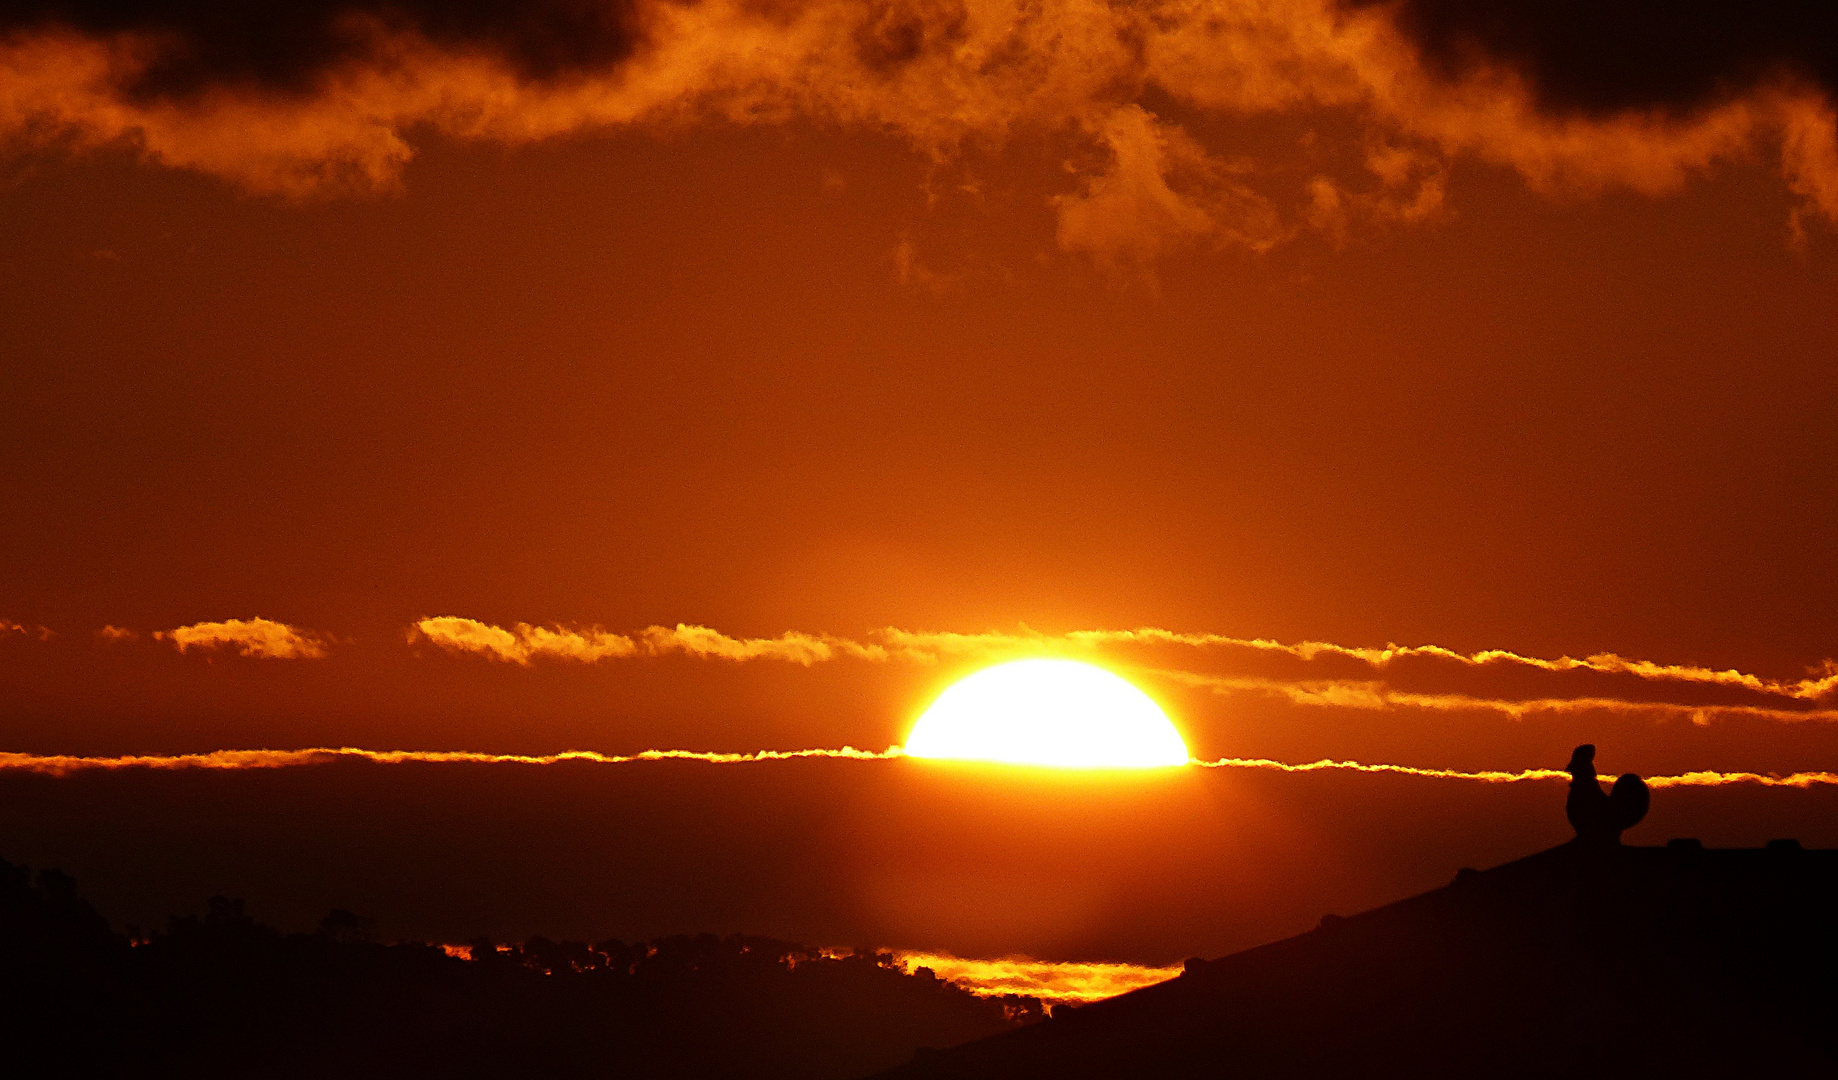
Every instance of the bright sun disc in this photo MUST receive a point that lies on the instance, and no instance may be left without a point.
(1048, 712)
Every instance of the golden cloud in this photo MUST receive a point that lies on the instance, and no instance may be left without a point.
(249, 637)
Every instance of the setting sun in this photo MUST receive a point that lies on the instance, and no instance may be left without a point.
(1048, 712)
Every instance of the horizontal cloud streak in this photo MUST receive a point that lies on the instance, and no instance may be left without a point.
(249, 637)
(523, 643)
(65, 764)
(328, 94)
(893, 643)
(1365, 694)
(791, 646)
(1704, 778)
(1606, 663)
(7, 626)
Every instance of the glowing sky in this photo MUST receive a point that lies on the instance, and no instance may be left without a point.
(503, 380)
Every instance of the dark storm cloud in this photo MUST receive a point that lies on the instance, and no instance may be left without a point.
(285, 45)
(309, 97)
(1585, 56)
(1580, 56)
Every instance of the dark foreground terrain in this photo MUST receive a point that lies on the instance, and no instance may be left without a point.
(224, 995)
(1585, 960)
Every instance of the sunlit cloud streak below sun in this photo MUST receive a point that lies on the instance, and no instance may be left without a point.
(66, 764)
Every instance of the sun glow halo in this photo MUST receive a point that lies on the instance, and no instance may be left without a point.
(1048, 712)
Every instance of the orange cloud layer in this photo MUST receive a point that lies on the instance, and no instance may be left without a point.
(249, 637)
(64, 764)
(1050, 981)
(946, 75)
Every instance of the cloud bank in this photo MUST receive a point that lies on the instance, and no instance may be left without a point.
(1156, 100)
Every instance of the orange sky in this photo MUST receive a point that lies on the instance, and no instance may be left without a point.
(1273, 320)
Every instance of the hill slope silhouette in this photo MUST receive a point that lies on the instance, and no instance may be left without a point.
(1590, 959)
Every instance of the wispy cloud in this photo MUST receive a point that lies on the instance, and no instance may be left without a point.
(249, 637)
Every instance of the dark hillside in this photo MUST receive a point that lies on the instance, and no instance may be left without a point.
(1584, 960)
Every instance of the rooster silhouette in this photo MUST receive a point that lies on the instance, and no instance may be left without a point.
(1599, 818)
